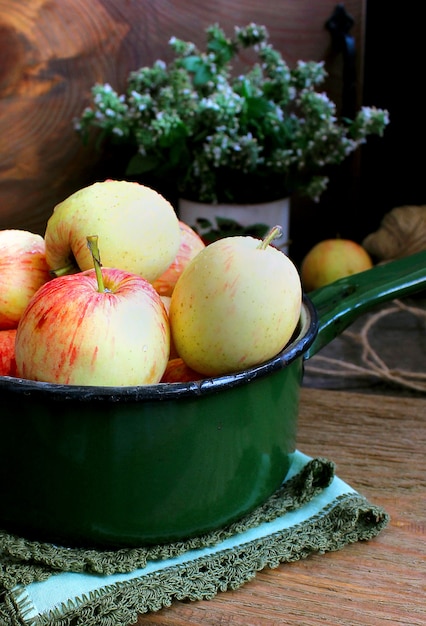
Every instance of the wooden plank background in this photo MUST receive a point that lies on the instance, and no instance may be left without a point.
(53, 51)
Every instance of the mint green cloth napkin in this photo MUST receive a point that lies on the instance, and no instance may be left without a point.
(314, 511)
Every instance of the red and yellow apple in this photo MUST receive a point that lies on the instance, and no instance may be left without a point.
(23, 269)
(7, 352)
(191, 244)
(73, 333)
(138, 227)
(177, 371)
(236, 304)
(332, 259)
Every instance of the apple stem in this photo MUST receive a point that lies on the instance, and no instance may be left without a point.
(92, 244)
(71, 268)
(274, 233)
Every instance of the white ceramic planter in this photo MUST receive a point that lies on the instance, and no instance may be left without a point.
(246, 215)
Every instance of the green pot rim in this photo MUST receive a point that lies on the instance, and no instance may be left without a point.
(302, 339)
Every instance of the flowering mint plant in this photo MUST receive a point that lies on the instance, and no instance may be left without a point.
(224, 136)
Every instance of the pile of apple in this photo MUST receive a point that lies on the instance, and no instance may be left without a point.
(120, 292)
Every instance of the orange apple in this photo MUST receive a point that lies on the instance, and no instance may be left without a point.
(177, 371)
(166, 301)
(190, 245)
(7, 352)
(332, 259)
(23, 269)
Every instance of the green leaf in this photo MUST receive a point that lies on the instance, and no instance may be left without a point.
(227, 227)
(179, 155)
(224, 50)
(257, 107)
(246, 89)
(191, 63)
(204, 223)
(227, 224)
(139, 165)
(257, 230)
(200, 70)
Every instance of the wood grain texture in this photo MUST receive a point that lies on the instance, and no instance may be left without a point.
(378, 444)
(53, 51)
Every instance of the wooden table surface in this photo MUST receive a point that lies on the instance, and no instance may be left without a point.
(378, 443)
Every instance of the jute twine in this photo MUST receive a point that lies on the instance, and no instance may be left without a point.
(373, 364)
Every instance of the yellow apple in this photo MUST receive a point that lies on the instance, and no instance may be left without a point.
(138, 227)
(236, 304)
(23, 269)
(332, 259)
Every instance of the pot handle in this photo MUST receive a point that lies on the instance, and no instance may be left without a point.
(343, 301)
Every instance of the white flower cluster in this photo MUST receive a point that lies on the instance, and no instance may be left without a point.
(267, 131)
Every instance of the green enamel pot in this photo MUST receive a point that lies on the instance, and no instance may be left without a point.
(131, 466)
